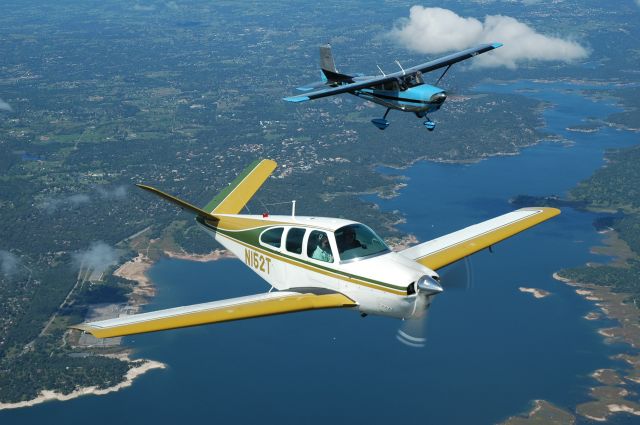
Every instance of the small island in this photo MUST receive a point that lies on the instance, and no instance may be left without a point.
(537, 293)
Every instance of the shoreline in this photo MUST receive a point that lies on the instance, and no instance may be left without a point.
(134, 270)
(215, 255)
(608, 398)
(139, 368)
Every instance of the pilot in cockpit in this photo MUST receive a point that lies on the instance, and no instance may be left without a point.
(348, 240)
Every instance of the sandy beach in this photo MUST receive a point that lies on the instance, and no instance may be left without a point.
(136, 270)
(139, 367)
(215, 255)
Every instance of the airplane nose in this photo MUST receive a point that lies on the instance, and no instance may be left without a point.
(438, 98)
(428, 285)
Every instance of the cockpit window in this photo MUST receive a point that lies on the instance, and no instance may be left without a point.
(272, 237)
(358, 241)
(294, 240)
(318, 247)
(413, 80)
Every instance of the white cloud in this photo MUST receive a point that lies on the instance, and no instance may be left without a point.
(8, 263)
(117, 193)
(4, 106)
(437, 30)
(72, 201)
(99, 256)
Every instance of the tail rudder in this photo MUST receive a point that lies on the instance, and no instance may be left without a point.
(326, 59)
(329, 72)
(233, 198)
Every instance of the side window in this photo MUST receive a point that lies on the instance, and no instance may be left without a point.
(318, 247)
(272, 237)
(294, 240)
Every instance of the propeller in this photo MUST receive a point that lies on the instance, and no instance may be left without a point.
(457, 276)
(413, 330)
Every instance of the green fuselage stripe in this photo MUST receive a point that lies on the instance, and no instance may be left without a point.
(251, 238)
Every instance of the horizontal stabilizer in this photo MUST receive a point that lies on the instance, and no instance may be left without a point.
(450, 248)
(177, 201)
(296, 99)
(214, 312)
(312, 86)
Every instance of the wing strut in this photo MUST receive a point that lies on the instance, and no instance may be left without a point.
(445, 71)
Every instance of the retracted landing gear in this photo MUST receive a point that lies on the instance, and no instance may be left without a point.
(381, 123)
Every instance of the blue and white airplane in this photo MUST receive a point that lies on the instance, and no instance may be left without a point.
(404, 90)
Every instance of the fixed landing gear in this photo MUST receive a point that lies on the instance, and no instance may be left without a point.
(381, 123)
(430, 125)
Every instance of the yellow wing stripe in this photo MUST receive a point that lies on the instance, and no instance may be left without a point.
(288, 303)
(238, 196)
(457, 251)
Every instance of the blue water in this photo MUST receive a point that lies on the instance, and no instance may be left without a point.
(491, 349)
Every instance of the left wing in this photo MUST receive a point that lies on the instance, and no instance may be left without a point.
(370, 82)
(450, 248)
(214, 312)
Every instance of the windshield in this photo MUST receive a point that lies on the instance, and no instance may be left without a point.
(357, 241)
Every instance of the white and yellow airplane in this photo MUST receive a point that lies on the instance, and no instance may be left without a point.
(317, 262)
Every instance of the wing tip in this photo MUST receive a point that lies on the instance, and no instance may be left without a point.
(496, 45)
(545, 213)
(270, 162)
(83, 327)
(296, 99)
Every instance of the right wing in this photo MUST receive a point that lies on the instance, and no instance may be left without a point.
(447, 249)
(453, 58)
(214, 312)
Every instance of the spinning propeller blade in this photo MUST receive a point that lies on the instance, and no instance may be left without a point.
(459, 275)
(413, 330)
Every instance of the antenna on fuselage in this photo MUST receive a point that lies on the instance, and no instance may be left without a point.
(380, 69)
(293, 208)
(403, 71)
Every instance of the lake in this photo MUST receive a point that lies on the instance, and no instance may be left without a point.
(491, 349)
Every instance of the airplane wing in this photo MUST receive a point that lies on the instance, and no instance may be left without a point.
(425, 67)
(453, 58)
(450, 248)
(214, 312)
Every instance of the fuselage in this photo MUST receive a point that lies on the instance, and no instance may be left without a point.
(409, 94)
(313, 252)
(419, 99)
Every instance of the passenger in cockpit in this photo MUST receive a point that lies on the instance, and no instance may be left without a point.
(323, 250)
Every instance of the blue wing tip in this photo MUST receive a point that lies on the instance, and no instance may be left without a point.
(296, 99)
(496, 45)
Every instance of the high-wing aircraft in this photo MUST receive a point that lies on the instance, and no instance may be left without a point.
(404, 90)
(318, 262)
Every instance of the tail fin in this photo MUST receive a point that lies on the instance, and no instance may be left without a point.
(328, 67)
(232, 199)
(326, 59)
